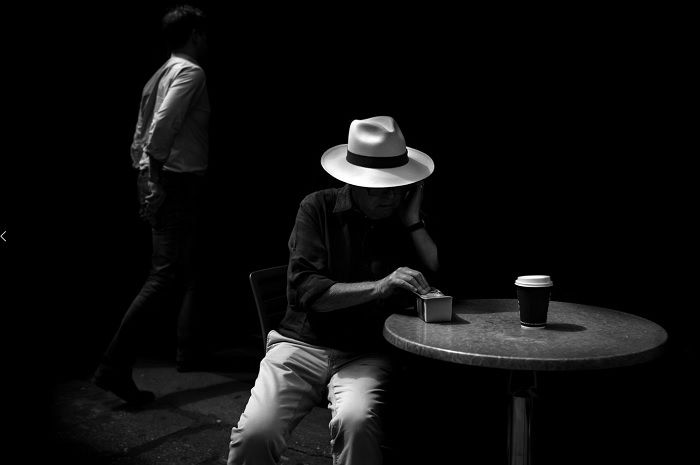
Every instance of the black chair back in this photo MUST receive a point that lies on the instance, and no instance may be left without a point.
(269, 287)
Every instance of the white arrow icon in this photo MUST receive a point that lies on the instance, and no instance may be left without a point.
(2, 236)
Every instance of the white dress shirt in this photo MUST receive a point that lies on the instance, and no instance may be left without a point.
(173, 118)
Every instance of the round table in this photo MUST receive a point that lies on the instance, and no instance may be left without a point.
(487, 333)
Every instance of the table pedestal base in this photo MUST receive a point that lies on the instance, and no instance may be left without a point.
(522, 388)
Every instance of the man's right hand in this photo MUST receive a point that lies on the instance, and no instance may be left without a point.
(155, 199)
(403, 278)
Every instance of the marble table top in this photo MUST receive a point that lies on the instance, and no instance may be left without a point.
(487, 332)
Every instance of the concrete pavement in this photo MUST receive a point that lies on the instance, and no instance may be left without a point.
(188, 424)
(190, 421)
(447, 414)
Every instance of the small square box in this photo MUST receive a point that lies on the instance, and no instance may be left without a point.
(434, 306)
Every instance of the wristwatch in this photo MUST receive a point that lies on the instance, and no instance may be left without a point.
(416, 226)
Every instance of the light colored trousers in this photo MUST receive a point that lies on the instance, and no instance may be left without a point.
(292, 380)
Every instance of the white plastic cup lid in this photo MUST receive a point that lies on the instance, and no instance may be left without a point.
(537, 280)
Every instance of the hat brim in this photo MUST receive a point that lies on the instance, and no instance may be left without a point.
(419, 167)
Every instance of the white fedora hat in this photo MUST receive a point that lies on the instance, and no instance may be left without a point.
(376, 156)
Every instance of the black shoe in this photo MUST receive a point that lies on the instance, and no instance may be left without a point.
(123, 386)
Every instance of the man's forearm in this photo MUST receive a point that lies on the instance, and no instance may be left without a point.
(426, 249)
(343, 295)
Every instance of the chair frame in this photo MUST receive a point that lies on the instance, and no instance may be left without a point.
(257, 278)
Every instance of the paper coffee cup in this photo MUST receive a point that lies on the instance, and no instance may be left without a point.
(533, 299)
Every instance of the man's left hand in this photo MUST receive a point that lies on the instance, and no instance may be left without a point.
(409, 211)
(155, 199)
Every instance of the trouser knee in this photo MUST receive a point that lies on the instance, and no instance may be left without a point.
(355, 423)
(257, 441)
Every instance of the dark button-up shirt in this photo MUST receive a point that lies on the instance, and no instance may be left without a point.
(333, 242)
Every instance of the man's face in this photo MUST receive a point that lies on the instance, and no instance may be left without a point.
(379, 203)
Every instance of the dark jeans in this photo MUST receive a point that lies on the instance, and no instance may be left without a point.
(173, 270)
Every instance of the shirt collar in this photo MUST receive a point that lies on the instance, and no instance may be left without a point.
(343, 201)
(184, 56)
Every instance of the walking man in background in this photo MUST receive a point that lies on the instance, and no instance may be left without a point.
(170, 151)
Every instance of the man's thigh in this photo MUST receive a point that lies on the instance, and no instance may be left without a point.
(290, 383)
(360, 384)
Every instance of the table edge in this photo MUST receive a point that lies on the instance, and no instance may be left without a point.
(491, 361)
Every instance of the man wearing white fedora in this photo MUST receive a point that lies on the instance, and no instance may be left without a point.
(357, 254)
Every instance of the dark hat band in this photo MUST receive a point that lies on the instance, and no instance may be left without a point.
(377, 162)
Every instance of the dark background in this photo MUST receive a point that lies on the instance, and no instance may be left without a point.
(554, 134)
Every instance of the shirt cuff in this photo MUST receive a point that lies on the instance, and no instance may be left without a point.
(311, 289)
